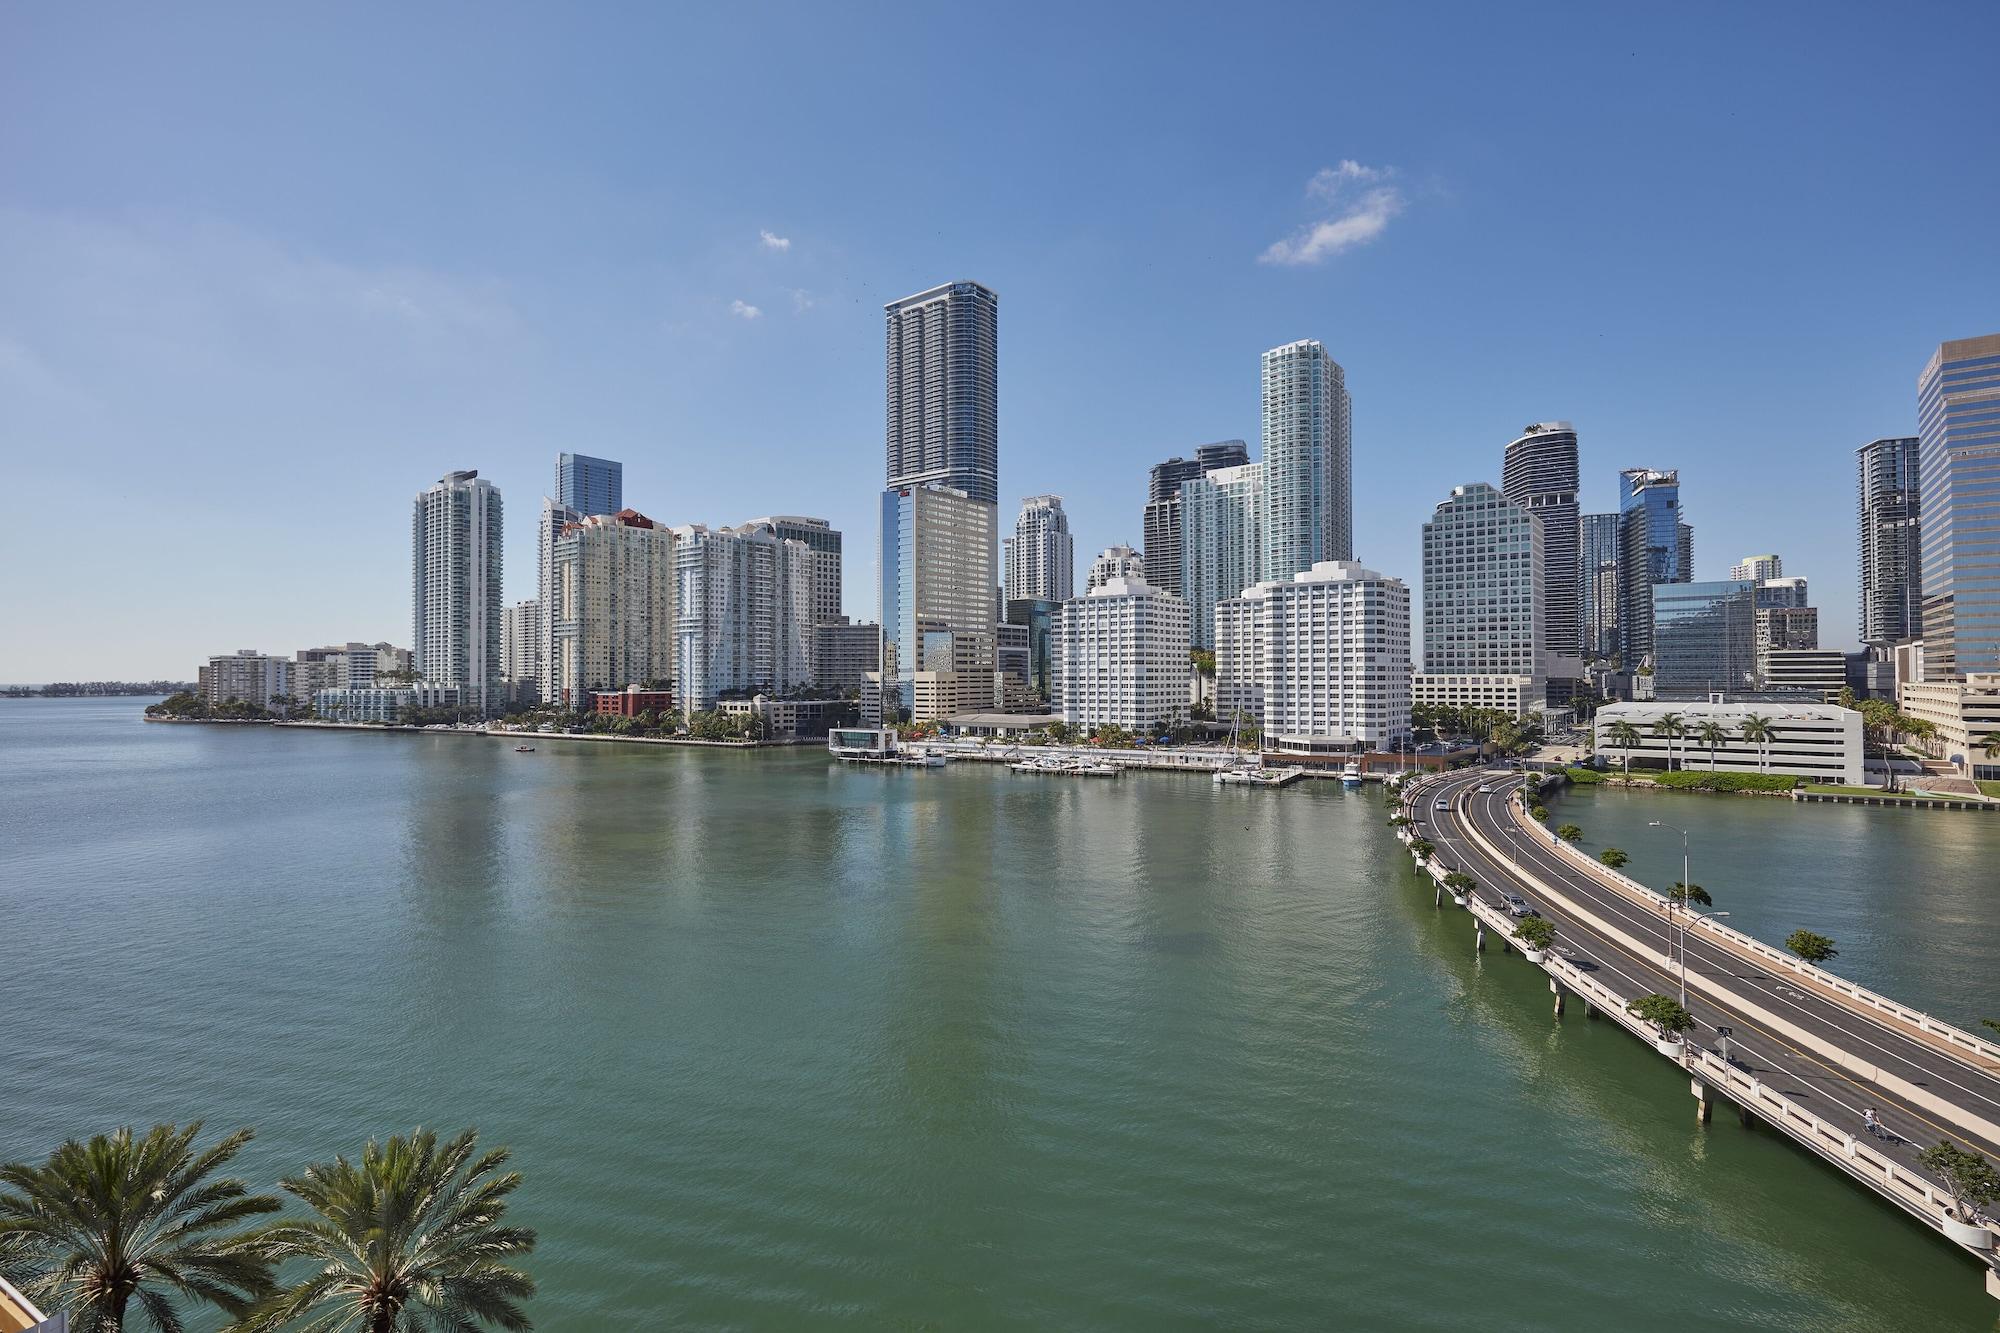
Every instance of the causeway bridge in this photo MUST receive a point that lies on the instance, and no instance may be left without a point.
(1779, 1041)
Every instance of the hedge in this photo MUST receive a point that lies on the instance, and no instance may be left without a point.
(1692, 779)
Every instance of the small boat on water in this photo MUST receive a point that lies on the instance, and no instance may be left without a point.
(1071, 768)
(524, 749)
(1258, 777)
(1350, 776)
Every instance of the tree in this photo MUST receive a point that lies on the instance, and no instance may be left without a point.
(1993, 1023)
(1811, 947)
(1758, 731)
(1614, 858)
(127, 1218)
(1664, 1012)
(1535, 932)
(1203, 660)
(1460, 883)
(1968, 1175)
(1540, 813)
(1714, 735)
(410, 1238)
(1684, 894)
(1623, 736)
(1570, 833)
(1673, 727)
(1421, 849)
(1399, 820)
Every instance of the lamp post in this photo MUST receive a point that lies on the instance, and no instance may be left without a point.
(1659, 823)
(1684, 949)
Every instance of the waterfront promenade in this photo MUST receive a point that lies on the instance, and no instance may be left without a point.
(1807, 1053)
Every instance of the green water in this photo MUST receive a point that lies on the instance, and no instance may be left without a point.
(783, 1045)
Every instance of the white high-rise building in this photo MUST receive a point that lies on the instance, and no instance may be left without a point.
(743, 613)
(519, 624)
(613, 581)
(1757, 568)
(247, 676)
(1321, 660)
(1041, 555)
(1308, 510)
(554, 518)
(825, 541)
(455, 577)
(1222, 544)
(1119, 656)
(1485, 603)
(1114, 562)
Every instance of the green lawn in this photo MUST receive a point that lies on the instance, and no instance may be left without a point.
(1990, 788)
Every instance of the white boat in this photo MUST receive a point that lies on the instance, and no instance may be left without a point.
(1351, 775)
(1258, 777)
(1098, 770)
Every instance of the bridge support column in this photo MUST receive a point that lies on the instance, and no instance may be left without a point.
(1556, 991)
(1703, 1108)
(1744, 1117)
(1437, 898)
(1478, 935)
(1993, 1283)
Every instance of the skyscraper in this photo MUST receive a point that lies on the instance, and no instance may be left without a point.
(1115, 562)
(1308, 498)
(1222, 550)
(455, 578)
(1321, 659)
(1958, 426)
(1539, 474)
(1653, 547)
(940, 511)
(742, 602)
(614, 613)
(555, 516)
(1891, 560)
(589, 485)
(1041, 555)
(1160, 526)
(1119, 656)
(1600, 585)
(519, 624)
(823, 539)
(1757, 568)
(944, 390)
(1484, 592)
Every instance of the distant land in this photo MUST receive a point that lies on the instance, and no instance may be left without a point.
(85, 689)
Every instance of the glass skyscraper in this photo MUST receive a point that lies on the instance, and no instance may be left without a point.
(944, 390)
(1160, 526)
(1653, 547)
(1891, 561)
(1958, 433)
(1599, 585)
(589, 485)
(1539, 474)
(1308, 496)
(1704, 636)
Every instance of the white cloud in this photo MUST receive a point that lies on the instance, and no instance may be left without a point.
(802, 300)
(1363, 203)
(773, 241)
(744, 310)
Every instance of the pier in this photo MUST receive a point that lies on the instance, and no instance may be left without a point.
(1784, 1043)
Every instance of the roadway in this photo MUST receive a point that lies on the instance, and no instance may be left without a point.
(1780, 1030)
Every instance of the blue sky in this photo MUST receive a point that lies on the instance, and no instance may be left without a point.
(265, 272)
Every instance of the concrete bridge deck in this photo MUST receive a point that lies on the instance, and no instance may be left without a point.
(1808, 1053)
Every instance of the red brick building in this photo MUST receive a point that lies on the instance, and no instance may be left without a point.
(632, 701)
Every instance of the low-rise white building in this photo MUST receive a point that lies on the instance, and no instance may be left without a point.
(1966, 714)
(1120, 656)
(382, 703)
(1516, 696)
(1321, 660)
(1817, 741)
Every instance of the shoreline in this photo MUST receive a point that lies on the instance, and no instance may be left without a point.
(519, 737)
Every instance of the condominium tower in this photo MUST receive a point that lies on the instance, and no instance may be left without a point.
(1160, 525)
(455, 566)
(614, 611)
(742, 606)
(1041, 555)
(823, 540)
(1308, 505)
(1321, 659)
(937, 596)
(1115, 562)
(1539, 474)
(1484, 602)
(1120, 656)
(944, 399)
(1600, 585)
(1222, 552)
(1757, 568)
(1958, 429)
(1891, 561)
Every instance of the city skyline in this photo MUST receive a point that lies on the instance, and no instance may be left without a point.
(173, 313)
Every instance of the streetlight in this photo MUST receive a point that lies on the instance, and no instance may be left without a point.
(1683, 902)
(1710, 916)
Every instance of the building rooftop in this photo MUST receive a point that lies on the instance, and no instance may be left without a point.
(17, 1314)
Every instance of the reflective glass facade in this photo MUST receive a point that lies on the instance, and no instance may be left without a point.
(1958, 432)
(1599, 585)
(1891, 560)
(1654, 546)
(1539, 474)
(1704, 636)
(589, 485)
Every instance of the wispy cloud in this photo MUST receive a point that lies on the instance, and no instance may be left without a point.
(1363, 202)
(744, 310)
(802, 300)
(772, 241)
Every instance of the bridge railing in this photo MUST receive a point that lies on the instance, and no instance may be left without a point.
(1957, 1038)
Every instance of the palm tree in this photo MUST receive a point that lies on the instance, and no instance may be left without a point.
(409, 1239)
(1673, 727)
(127, 1218)
(1626, 737)
(1714, 735)
(1758, 731)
